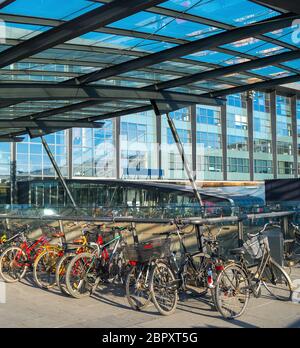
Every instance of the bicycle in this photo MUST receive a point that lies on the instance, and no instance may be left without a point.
(194, 270)
(15, 239)
(239, 279)
(15, 260)
(142, 258)
(80, 245)
(292, 247)
(86, 270)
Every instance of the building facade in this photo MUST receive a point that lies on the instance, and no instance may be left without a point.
(252, 137)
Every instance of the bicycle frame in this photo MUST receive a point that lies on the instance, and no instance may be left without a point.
(29, 248)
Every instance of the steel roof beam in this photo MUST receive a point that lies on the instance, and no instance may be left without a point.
(8, 139)
(207, 21)
(281, 5)
(5, 3)
(138, 34)
(83, 24)
(42, 91)
(236, 68)
(254, 86)
(190, 48)
(41, 124)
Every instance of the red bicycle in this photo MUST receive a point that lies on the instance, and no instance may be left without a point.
(16, 260)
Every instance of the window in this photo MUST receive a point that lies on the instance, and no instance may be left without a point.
(238, 165)
(261, 102)
(285, 167)
(263, 167)
(181, 115)
(236, 121)
(283, 106)
(211, 164)
(208, 116)
(238, 143)
(210, 140)
(284, 148)
(263, 146)
(184, 135)
(236, 100)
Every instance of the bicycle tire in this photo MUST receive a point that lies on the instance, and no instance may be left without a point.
(231, 288)
(86, 285)
(44, 268)
(60, 274)
(277, 281)
(3, 260)
(136, 302)
(163, 288)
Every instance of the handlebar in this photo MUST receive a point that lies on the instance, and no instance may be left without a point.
(274, 224)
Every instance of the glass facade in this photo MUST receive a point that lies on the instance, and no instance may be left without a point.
(285, 159)
(237, 138)
(171, 161)
(138, 146)
(93, 153)
(262, 137)
(209, 143)
(4, 161)
(33, 161)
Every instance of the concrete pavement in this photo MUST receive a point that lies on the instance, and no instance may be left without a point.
(27, 306)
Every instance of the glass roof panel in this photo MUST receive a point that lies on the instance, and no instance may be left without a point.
(271, 71)
(210, 57)
(295, 64)
(234, 12)
(255, 47)
(152, 23)
(285, 35)
(55, 9)
(23, 31)
(120, 42)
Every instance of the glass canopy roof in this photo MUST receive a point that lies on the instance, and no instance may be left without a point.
(183, 46)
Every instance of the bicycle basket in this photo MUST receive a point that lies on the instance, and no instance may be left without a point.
(151, 250)
(255, 246)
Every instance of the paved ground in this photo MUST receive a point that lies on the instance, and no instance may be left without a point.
(27, 306)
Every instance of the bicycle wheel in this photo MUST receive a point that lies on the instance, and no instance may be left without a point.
(60, 274)
(81, 275)
(13, 264)
(137, 287)
(277, 281)
(194, 274)
(232, 291)
(163, 288)
(44, 268)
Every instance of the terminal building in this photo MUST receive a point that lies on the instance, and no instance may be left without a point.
(244, 127)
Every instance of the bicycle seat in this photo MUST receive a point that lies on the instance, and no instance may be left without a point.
(58, 235)
(78, 241)
(237, 251)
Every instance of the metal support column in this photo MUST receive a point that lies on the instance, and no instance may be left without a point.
(224, 140)
(182, 155)
(57, 170)
(118, 147)
(13, 173)
(274, 132)
(70, 153)
(193, 111)
(250, 135)
(158, 141)
(294, 133)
